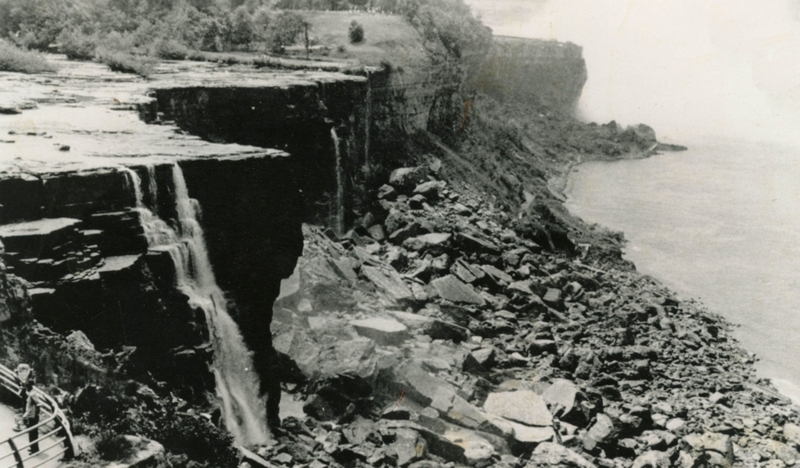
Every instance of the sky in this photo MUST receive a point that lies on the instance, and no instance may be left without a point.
(688, 68)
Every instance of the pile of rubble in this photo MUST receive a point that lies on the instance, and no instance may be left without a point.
(433, 334)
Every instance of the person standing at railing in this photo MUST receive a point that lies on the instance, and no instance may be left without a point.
(24, 374)
(31, 418)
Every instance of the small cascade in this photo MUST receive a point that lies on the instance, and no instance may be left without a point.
(152, 188)
(237, 384)
(338, 216)
(367, 123)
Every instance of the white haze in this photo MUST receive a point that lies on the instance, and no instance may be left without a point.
(688, 68)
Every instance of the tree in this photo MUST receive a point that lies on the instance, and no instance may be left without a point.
(242, 29)
(262, 19)
(285, 29)
(356, 32)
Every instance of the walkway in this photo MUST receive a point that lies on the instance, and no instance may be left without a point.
(55, 439)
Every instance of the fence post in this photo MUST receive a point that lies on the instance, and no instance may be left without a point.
(17, 456)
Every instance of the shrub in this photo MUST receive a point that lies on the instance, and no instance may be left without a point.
(14, 59)
(195, 437)
(77, 45)
(125, 63)
(170, 49)
(356, 32)
(112, 446)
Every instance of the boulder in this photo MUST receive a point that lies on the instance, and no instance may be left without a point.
(552, 297)
(484, 357)
(405, 179)
(145, 453)
(387, 192)
(466, 272)
(461, 209)
(383, 331)
(417, 202)
(433, 242)
(784, 452)
(561, 394)
(409, 230)
(451, 289)
(497, 274)
(523, 406)
(408, 447)
(717, 444)
(513, 257)
(523, 287)
(395, 220)
(601, 433)
(517, 432)
(430, 189)
(652, 459)
(537, 347)
(477, 450)
(792, 434)
(443, 330)
(474, 244)
(377, 232)
(552, 454)
(389, 282)
(424, 388)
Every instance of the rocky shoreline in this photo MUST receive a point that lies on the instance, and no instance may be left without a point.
(435, 334)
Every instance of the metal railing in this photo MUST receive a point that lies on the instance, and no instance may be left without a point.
(53, 425)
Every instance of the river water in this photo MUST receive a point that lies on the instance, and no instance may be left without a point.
(720, 222)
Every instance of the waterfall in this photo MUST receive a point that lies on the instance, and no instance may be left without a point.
(368, 122)
(152, 187)
(237, 384)
(338, 218)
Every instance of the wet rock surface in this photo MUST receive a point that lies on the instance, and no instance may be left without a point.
(467, 345)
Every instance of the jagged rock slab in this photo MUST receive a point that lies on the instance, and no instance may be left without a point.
(452, 289)
(382, 331)
(119, 263)
(32, 237)
(523, 406)
(390, 282)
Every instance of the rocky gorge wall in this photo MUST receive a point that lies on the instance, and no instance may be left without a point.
(532, 70)
(372, 112)
(79, 241)
(312, 121)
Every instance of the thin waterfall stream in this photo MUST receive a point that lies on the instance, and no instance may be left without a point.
(339, 202)
(237, 384)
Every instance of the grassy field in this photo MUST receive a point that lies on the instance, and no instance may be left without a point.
(386, 37)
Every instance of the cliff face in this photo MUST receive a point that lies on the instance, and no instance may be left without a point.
(318, 120)
(532, 71)
(70, 220)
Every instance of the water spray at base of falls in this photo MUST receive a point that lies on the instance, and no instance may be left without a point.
(237, 384)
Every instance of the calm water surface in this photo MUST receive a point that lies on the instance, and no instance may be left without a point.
(720, 222)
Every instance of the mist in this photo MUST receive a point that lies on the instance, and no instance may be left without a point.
(688, 68)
